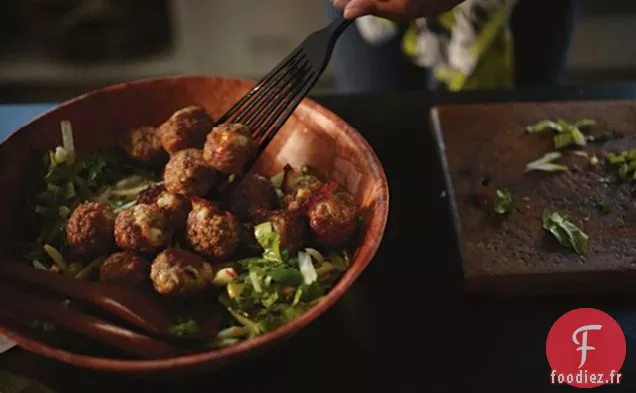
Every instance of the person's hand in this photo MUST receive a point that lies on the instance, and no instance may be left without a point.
(394, 9)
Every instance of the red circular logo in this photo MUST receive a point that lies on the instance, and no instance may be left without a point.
(585, 348)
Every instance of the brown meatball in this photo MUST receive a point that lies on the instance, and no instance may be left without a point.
(332, 216)
(176, 207)
(185, 129)
(150, 194)
(180, 272)
(188, 174)
(229, 147)
(143, 146)
(289, 226)
(252, 193)
(125, 268)
(89, 230)
(298, 187)
(211, 231)
(142, 228)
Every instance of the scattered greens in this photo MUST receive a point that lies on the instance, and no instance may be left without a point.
(545, 163)
(276, 288)
(567, 133)
(184, 327)
(107, 176)
(567, 234)
(543, 125)
(625, 161)
(603, 206)
(503, 204)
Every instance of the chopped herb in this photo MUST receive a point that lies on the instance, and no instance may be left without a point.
(543, 125)
(603, 205)
(503, 204)
(567, 234)
(584, 123)
(615, 159)
(577, 137)
(269, 240)
(594, 161)
(39, 265)
(562, 140)
(602, 137)
(581, 153)
(545, 163)
(89, 269)
(568, 133)
(626, 162)
(184, 327)
(623, 170)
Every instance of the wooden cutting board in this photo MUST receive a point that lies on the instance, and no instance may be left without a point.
(486, 147)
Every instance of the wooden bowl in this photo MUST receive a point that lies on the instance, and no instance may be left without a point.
(312, 136)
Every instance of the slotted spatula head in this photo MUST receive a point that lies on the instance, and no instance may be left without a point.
(267, 106)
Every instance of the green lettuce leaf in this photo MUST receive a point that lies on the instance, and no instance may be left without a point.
(567, 234)
(291, 277)
(184, 327)
(544, 125)
(270, 241)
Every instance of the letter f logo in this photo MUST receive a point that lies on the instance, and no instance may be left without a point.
(584, 347)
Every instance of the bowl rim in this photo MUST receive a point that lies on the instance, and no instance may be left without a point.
(241, 349)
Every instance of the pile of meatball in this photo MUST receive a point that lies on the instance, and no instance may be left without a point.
(139, 243)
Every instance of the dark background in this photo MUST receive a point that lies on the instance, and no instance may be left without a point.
(51, 50)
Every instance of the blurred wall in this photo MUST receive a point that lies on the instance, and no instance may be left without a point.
(54, 49)
(243, 38)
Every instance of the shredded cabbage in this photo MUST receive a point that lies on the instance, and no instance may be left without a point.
(307, 268)
(545, 163)
(56, 257)
(67, 141)
(315, 254)
(255, 281)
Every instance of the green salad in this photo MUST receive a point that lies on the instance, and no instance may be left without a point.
(107, 176)
(266, 292)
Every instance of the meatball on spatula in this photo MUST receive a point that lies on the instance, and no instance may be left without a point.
(268, 105)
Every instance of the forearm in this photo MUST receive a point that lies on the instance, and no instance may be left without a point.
(394, 9)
